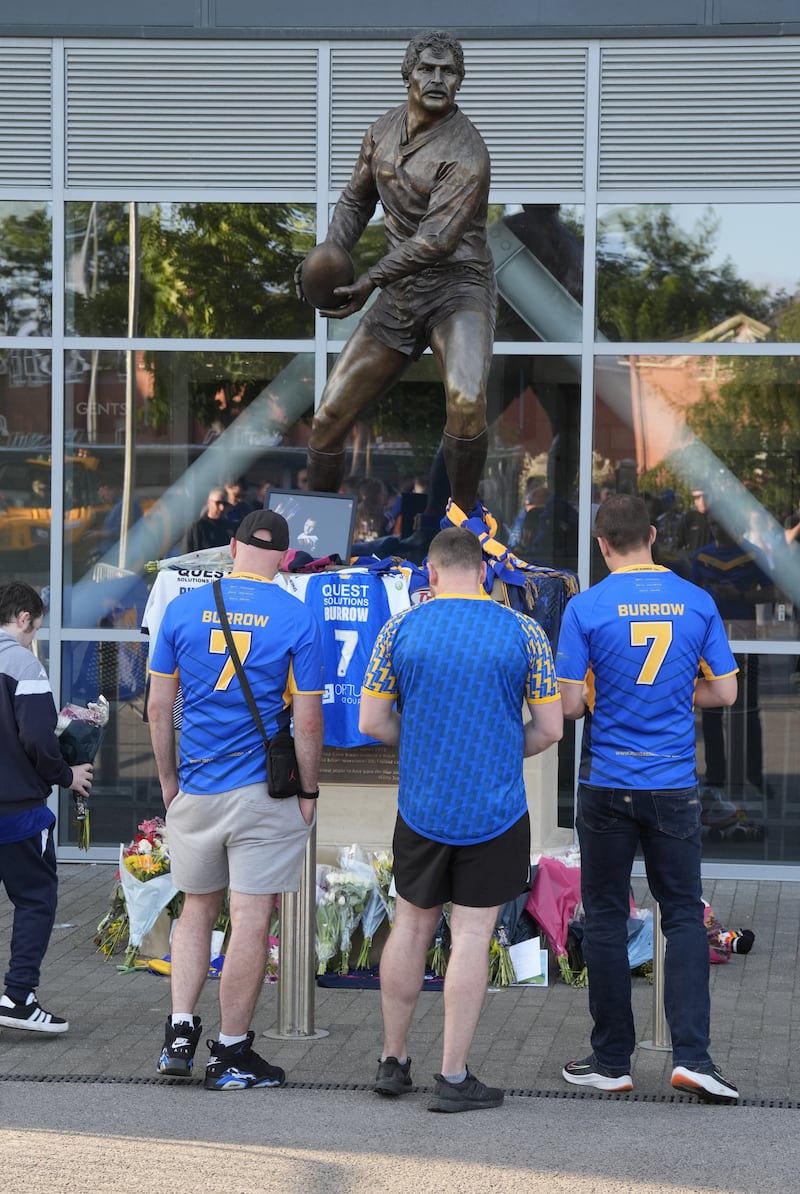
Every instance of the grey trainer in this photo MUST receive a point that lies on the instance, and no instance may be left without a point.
(469, 1095)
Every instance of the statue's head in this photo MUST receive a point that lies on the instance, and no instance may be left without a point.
(438, 41)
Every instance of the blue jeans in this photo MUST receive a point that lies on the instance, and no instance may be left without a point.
(611, 823)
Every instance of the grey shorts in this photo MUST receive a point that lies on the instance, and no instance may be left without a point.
(242, 839)
(404, 314)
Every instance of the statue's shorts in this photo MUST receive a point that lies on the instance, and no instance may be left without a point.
(406, 312)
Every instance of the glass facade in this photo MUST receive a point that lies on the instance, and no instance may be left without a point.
(186, 270)
(153, 350)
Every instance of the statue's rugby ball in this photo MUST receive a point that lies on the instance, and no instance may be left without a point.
(326, 267)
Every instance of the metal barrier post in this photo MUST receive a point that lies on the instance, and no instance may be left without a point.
(661, 1035)
(296, 968)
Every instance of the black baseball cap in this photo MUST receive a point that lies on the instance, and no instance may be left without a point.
(264, 520)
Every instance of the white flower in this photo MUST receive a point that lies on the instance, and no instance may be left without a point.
(144, 847)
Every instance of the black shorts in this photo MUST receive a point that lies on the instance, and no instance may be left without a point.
(428, 873)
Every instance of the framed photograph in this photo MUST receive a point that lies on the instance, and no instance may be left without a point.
(321, 524)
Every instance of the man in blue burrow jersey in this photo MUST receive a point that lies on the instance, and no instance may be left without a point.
(637, 653)
(447, 681)
(225, 830)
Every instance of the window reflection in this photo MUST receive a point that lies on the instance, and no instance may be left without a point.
(125, 787)
(25, 466)
(201, 269)
(26, 268)
(538, 254)
(712, 443)
(748, 766)
(677, 271)
(137, 486)
(533, 412)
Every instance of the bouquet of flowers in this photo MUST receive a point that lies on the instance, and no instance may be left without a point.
(382, 864)
(508, 929)
(273, 959)
(501, 968)
(113, 928)
(80, 733)
(438, 958)
(379, 906)
(555, 894)
(146, 881)
(328, 926)
(350, 889)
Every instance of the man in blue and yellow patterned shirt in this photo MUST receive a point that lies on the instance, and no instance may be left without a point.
(636, 654)
(447, 681)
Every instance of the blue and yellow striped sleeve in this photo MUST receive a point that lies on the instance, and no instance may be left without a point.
(541, 685)
(380, 679)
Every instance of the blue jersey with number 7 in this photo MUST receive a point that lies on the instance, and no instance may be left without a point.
(638, 640)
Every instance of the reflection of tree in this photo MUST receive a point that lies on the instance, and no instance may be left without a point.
(25, 268)
(411, 411)
(662, 285)
(225, 270)
(752, 421)
(222, 270)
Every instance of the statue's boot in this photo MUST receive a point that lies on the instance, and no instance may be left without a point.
(465, 460)
(325, 470)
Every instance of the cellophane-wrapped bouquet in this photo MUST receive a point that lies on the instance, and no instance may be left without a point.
(379, 906)
(80, 730)
(143, 889)
(342, 895)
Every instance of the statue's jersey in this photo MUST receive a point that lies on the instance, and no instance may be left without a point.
(638, 640)
(434, 190)
(461, 729)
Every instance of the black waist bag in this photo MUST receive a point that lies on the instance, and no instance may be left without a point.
(283, 774)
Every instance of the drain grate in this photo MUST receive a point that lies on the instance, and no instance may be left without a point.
(513, 1092)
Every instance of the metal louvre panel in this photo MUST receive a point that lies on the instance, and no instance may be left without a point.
(700, 116)
(530, 106)
(364, 83)
(528, 103)
(191, 116)
(26, 116)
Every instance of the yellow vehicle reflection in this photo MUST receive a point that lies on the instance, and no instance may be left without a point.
(25, 500)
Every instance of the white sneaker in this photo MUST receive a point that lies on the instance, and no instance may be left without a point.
(707, 1083)
(15, 1013)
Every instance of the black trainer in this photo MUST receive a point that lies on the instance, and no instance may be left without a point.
(589, 1072)
(180, 1042)
(706, 1082)
(237, 1067)
(393, 1077)
(27, 1014)
(469, 1095)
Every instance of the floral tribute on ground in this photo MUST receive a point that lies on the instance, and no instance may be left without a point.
(353, 900)
(143, 889)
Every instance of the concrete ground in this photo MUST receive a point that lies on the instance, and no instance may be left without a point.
(86, 1111)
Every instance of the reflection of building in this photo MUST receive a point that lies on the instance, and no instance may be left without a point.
(224, 364)
(663, 388)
